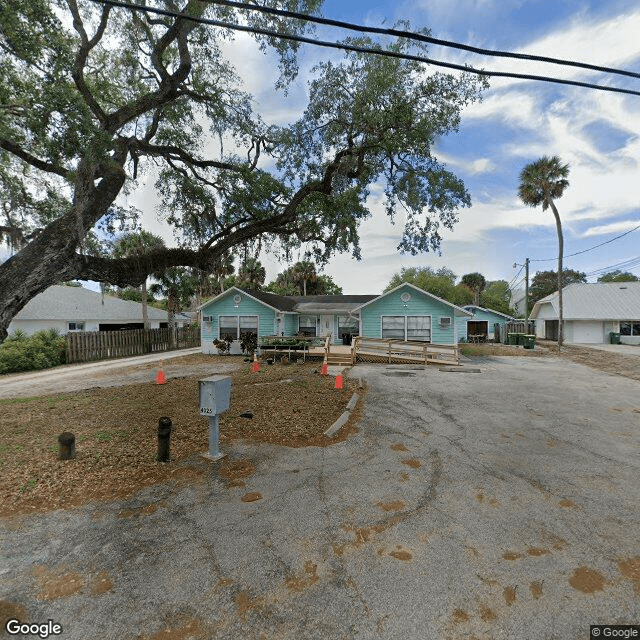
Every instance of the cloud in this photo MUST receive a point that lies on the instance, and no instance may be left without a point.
(613, 227)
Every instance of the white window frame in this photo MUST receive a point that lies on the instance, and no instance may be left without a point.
(307, 315)
(237, 317)
(78, 325)
(631, 330)
(411, 315)
(445, 321)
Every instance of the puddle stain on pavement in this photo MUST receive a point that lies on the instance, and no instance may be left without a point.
(101, 584)
(55, 585)
(398, 446)
(306, 579)
(459, 616)
(568, 504)
(11, 611)
(487, 614)
(509, 595)
(630, 568)
(538, 551)
(414, 463)
(251, 497)
(587, 580)
(190, 630)
(536, 590)
(245, 604)
(145, 510)
(401, 554)
(397, 505)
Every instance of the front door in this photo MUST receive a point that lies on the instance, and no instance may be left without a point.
(326, 324)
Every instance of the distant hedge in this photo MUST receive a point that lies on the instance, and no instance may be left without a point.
(20, 352)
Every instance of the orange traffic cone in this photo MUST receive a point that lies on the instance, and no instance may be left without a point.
(339, 381)
(325, 368)
(160, 377)
(256, 365)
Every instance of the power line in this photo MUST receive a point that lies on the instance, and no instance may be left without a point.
(358, 49)
(410, 35)
(590, 248)
(627, 264)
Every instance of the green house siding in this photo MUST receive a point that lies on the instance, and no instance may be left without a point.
(226, 306)
(461, 327)
(419, 305)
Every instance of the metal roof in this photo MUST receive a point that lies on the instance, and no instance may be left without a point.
(61, 302)
(473, 307)
(595, 301)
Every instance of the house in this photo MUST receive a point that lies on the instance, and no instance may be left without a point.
(404, 313)
(591, 311)
(482, 324)
(78, 309)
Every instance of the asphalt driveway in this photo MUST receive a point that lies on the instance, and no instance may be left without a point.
(499, 504)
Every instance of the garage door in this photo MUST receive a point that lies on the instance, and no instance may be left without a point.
(588, 332)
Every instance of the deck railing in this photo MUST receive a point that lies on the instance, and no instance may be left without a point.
(388, 350)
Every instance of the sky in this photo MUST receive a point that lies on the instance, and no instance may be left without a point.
(517, 122)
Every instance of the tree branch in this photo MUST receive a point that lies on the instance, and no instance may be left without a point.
(18, 151)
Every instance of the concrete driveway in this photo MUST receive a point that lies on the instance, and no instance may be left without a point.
(500, 504)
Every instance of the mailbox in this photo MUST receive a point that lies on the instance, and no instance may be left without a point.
(214, 394)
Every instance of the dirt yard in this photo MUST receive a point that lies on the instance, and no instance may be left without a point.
(116, 431)
(116, 427)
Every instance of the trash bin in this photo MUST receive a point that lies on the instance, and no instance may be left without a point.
(513, 338)
(528, 341)
(346, 339)
(614, 338)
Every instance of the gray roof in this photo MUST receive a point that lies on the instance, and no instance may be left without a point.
(60, 302)
(595, 301)
(474, 307)
(303, 304)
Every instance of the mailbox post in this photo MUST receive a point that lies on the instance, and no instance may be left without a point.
(213, 395)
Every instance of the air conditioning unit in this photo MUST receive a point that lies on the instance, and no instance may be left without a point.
(445, 322)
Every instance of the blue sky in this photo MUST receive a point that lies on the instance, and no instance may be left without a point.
(517, 122)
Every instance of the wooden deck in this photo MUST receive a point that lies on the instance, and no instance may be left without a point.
(389, 351)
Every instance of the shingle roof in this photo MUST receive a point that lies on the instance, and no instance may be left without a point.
(77, 303)
(596, 301)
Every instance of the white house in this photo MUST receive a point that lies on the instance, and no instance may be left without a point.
(78, 309)
(591, 311)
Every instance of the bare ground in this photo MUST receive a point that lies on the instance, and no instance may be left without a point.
(116, 430)
(116, 427)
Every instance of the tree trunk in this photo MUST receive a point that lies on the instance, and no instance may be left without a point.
(145, 311)
(560, 278)
(304, 286)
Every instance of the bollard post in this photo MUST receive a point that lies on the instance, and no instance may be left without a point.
(67, 442)
(164, 438)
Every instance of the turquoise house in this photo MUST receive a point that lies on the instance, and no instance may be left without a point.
(481, 324)
(404, 313)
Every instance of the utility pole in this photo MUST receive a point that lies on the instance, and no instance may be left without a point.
(526, 286)
(526, 291)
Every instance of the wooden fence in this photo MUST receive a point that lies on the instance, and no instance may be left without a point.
(517, 326)
(86, 346)
(402, 351)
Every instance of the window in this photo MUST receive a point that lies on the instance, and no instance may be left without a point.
(76, 326)
(445, 321)
(393, 327)
(248, 324)
(230, 327)
(630, 328)
(348, 324)
(407, 328)
(419, 328)
(207, 318)
(307, 325)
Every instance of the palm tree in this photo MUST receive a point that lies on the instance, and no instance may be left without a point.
(476, 282)
(177, 285)
(304, 272)
(223, 268)
(540, 183)
(252, 274)
(137, 244)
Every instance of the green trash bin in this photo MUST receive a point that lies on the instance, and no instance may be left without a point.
(513, 338)
(614, 338)
(528, 341)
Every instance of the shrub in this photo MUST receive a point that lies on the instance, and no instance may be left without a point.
(42, 350)
(248, 342)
